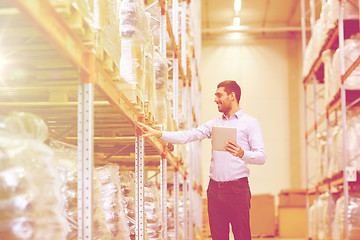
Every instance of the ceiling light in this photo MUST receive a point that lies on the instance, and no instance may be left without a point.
(236, 21)
(237, 5)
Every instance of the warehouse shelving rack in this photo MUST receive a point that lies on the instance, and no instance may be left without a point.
(344, 100)
(60, 77)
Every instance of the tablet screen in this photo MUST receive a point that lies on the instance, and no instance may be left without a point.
(220, 135)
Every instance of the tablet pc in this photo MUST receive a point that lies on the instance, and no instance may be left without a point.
(220, 135)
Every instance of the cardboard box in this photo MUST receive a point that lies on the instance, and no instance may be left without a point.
(262, 215)
(292, 222)
(292, 198)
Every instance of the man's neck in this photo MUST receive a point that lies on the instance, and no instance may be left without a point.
(232, 111)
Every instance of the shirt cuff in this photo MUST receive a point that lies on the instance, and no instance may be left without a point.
(248, 155)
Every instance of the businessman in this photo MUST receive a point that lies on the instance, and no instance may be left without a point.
(228, 192)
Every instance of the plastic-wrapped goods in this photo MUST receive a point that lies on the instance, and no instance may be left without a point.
(155, 26)
(322, 161)
(150, 93)
(100, 229)
(326, 58)
(353, 138)
(110, 25)
(103, 17)
(65, 162)
(135, 37)
(352, 146)
(319, 218)
(351, 11)
(309, 57)
(127, 183)
(351, 51)
(171, 217)
(161, 79)
(31, 206)
(327, 20)
(353, 215)
(335, 151)
(112, 201)
(152, 211)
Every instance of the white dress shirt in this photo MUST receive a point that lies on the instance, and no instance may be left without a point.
(224, 166)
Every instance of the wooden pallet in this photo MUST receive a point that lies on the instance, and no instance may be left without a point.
(75, 20)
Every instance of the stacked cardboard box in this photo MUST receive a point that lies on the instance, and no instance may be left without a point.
(262, 215)
(292, 213)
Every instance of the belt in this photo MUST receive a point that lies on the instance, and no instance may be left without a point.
(229, 183)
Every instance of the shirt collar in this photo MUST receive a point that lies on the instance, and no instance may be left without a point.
(238, 114)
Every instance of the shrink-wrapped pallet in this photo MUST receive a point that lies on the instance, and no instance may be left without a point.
(319, 218)
(353, 216)
(152, 211)
(322, 160)
(100, 229)
(326, 58)
(328, 20)
(103, 18)
(112, 201)
(352, 144)
(65, 162)
(135, 36)
(351, 52)
(353, 138)
(109, 29)
(171, 217)
(30, 201)
(161, 79)
(335, 151)
(127, 183)
(150, 89)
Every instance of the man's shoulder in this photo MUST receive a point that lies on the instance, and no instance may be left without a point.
(249, 117)
(250, 121)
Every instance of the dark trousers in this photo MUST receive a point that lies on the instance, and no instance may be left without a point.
(229, 203)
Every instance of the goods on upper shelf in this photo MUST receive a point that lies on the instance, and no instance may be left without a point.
(320, 33)
(161, 81)
(137, 52)
(135, 42)
(103, 18)
(352, 52)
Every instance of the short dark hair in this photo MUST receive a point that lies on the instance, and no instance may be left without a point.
(231, 86)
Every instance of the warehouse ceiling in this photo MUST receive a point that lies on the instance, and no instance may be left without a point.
(255, 16)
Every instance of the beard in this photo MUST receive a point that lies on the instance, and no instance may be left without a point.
(223, 108)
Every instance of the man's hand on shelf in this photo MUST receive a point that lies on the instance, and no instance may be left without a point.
(148, 131)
